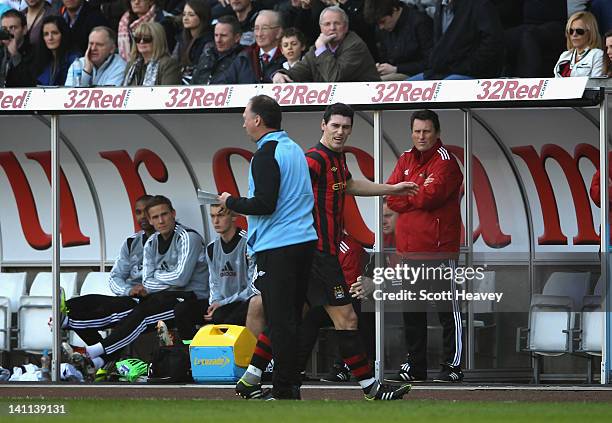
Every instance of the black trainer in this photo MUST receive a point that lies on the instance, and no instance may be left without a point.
(385, 392)
(248, 391)
(408, 374)
(339, 372)
(449, 373)
(292, 393)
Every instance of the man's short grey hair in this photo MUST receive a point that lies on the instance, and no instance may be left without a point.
(112, 35)
(335, 9)
(276, 16)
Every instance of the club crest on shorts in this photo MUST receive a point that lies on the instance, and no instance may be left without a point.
(338, 292)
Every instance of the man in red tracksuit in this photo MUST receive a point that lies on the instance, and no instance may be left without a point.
(427, 235)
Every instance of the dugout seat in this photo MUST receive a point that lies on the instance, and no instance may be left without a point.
(485, 318)
(12, 287)
(94, 283)
(551, 317)
(590, 333)
(35, 310)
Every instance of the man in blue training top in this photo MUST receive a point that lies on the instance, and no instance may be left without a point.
(281, 234)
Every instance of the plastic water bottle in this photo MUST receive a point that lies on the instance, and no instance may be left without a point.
(45, 366)
(77, 71)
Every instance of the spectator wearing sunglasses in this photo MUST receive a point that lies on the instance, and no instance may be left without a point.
(139, 12)
(583, 56)
(150, 62)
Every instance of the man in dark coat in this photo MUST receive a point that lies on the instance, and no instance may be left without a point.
(468, 41)
(81, 18)
(218, 56)
(16, 55)
(404, 37)
(339, 55)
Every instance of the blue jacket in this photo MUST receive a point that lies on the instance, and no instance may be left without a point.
(59, 78)
(109, 73)
(280, 200)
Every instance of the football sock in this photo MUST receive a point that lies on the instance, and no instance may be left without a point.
(260, 360)
(98, 362)
(353, 354)
(95, 350)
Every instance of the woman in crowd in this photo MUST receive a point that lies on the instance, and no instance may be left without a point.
(583, 56)
(196, 33)
(293, 45)
(608, 58)
(150, 62)
(139, 12)
(53, 56)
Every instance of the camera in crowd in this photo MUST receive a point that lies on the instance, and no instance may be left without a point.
(5, 35)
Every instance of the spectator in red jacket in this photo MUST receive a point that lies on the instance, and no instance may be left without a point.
(428, 235)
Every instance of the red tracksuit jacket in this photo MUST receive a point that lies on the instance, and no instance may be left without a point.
(429, 222)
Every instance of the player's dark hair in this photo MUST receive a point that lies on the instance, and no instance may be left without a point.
(158, 200)
(426, 115)
(338, 109)
(225, 209)
(268, 110)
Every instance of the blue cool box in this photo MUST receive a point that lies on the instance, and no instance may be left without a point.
(214, 364)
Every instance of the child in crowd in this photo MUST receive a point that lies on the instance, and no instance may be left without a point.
(293, 45)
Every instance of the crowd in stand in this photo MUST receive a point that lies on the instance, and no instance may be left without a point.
(171, 42)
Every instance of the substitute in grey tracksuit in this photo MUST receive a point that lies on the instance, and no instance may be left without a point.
(174, 270)
(231, 271)
(92, 313)
(127, 271)
(230, 274)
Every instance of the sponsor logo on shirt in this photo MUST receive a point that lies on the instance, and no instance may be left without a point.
(227, 270)
(338, 186)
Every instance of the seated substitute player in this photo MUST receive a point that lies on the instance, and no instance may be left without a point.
(89, 314)
(331, 181)
(174, 270)
(230, 272)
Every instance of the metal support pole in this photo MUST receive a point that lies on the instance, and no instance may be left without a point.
(606, 348)
(379, 367)
(55, 246)
(469, 227)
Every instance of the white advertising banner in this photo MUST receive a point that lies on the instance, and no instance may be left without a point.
(295, 94)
